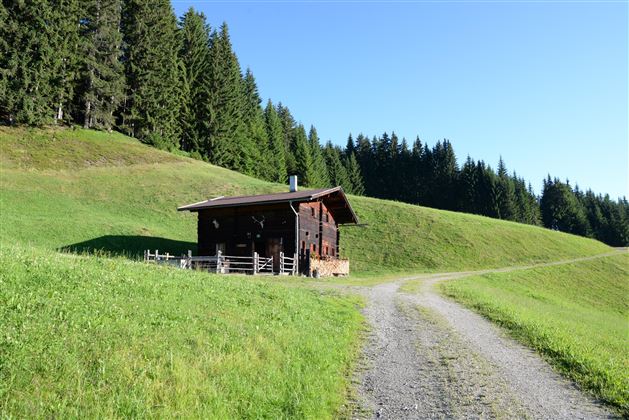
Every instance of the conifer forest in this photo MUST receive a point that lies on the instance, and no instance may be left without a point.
(176, 83)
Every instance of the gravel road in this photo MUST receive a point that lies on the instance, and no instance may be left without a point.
(428, 357)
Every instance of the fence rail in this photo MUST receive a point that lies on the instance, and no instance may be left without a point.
(226, 264)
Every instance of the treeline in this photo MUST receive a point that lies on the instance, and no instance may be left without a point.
(430, 176)
(132, 66)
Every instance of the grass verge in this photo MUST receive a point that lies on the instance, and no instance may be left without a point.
(574, 314)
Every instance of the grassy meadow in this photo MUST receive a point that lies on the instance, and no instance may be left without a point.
(577, 315)
(87, 190)
(107, 337)
(99, 334)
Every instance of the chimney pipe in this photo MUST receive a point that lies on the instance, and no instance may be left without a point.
(293, 183)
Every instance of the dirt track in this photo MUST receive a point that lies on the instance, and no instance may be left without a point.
(428, 357)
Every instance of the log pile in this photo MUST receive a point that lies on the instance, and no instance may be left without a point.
(329, 267)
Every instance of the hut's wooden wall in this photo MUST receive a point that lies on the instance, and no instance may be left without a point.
(244, 230)
(317, 230)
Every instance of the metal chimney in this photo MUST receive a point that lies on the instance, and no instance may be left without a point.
(293, 183)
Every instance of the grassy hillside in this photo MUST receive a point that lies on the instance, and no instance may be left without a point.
(575, 314)
(110, 338)
(85, 189)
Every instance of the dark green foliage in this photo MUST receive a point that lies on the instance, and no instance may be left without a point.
(229, 144)
(356, 185)
(319, 167)
(153, 71)
(288, 130)
(276, 148)
(195, 57)
(260, 157)
(303, 158)
(561, 210)
(337, 172)
(596, 216)
(102, 73)
(38, 60)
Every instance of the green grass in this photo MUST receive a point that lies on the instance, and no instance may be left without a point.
(86, 336)
(575, 314)
(99, 337)
(55, 196)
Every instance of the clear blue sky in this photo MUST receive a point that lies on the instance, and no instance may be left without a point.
(544, 84)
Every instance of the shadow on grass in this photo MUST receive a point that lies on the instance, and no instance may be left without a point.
(130, 246)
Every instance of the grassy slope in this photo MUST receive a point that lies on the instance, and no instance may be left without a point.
(90, 189)
(101, 337)
(126, 338)
(576, 314)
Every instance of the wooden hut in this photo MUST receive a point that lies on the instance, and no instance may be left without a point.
(294, 224)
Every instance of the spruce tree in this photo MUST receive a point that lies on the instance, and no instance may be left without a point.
(303, 157)
(39, 60)
(320, 169)
(506, 193)
(337, 172)
(288, 128)
(195, 58)
(255, 127)
(102, 72)
(275, 134)
(229, 144)
(153, 72)
(354, 176)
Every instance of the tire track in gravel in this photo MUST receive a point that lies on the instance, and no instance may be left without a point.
(428, 357)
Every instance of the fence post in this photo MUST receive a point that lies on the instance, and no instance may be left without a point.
(281, 263)
(189, 260)
(145, 257)
(167, 256)
(156, 254)
(295, 264)
(218, 262)
(255, 263)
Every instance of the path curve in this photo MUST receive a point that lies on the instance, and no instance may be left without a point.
(429, 357)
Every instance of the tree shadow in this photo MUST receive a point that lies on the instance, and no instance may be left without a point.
(130, 246)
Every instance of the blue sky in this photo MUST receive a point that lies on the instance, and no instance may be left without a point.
(544, 84)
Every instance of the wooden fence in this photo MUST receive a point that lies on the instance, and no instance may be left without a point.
(225, 264)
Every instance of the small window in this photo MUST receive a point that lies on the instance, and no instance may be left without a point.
(314, 247)
(314, 212)
(327, 217)
(326, 250)
(332, 251)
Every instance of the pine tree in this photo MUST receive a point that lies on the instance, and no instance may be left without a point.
(354, 175)
(102, 72)
(561, 210)
(253, 117)
(506, 193)
(229, 144)
(195, 58)
(337, 172)
(275, 134)
(320, 169)
(288, 130)
(153, 72)
(303, 157)
(39, 60)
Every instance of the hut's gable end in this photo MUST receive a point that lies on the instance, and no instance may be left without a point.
(318, 230)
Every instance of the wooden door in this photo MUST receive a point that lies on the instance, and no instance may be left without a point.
(273, 249)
